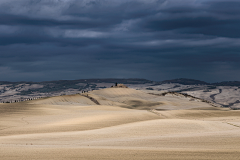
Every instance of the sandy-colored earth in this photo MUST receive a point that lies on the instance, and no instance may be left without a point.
(129, 124)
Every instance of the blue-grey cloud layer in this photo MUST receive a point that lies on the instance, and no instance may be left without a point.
(153, 39)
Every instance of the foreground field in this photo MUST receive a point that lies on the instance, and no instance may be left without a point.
(129, 124)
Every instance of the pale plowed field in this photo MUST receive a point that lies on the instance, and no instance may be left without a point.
(129, 124)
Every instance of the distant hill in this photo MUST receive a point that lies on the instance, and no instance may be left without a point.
(61, 85)
(185, 81)
(15, 91)
(108, 80)
(72, 83)
(227, 83)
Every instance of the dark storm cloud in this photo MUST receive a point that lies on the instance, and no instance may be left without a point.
(154, 39)
(6, 19)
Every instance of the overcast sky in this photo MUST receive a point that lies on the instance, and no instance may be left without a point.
(153, 39)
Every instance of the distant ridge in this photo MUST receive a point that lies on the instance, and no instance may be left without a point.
(23, 91)
(185, 81)
(72, 83)
(227, 83)
(106, 80)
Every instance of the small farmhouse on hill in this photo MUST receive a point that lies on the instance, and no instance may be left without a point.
(119, 86)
